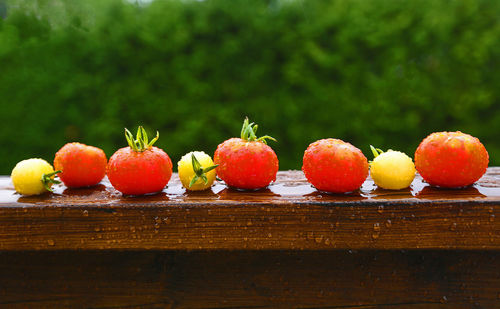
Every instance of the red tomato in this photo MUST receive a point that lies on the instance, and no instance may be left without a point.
(140, 168)
(80, 165)
(451, 159)
(246, 162)
(333, 165)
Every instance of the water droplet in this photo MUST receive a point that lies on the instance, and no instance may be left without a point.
(380, 209)
(453, 226)
(388, 223)
(269, 235)
(376, 230)
(157, 220)
(132, 229)
(444, 299)
(51, 242)
(319, 239)
(85, 213)
(327, 241)
(492, 218)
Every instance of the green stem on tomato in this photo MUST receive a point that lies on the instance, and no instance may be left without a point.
(141, 142)
(249, 130)
(199, 171)
(48, 179)
(376, 151)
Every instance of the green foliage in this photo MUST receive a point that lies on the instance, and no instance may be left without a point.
(381, 72)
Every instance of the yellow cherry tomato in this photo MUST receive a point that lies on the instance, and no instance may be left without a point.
(196, 171)
(392, 170)
(33, 176)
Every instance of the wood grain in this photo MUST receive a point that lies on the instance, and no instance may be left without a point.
(250, 279)
(289, 215)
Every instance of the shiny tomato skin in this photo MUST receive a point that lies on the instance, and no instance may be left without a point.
(137, 173)
(248, 165)
(451, 159)
(332, 165)
(81, 165)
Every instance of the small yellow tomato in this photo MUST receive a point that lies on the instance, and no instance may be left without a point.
(392, 170)
(196, 171)
(33, 176)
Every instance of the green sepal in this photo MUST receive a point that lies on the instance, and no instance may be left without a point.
(193, 181)
(208, 169)
(196, 164)
(199, 171)
(47, 180)
(141, 142)
(249, 130)
(205, 179)
(376, 151)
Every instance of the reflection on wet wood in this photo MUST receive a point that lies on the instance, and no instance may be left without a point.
(290, 214)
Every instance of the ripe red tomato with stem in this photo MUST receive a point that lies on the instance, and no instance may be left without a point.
(80, 165)
(247, 162)
(140, 168)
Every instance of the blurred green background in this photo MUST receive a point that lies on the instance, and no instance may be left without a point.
(381, 72)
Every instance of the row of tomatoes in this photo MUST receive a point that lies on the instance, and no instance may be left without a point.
(446, 159)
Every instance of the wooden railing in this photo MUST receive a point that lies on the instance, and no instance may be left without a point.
(286, 246)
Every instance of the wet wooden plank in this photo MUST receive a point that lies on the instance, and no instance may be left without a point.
(250, 279)
(290, 214)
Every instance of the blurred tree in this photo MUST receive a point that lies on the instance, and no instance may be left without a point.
(376, 72)
(3, 9)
